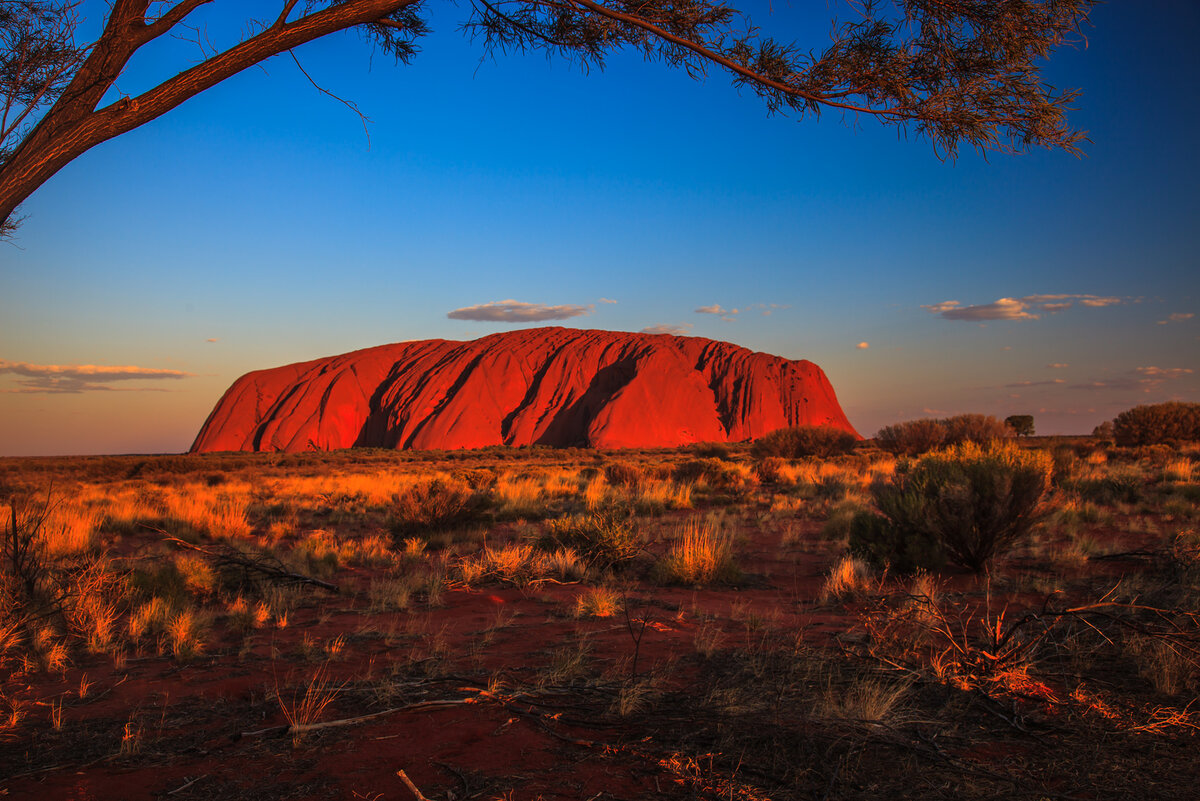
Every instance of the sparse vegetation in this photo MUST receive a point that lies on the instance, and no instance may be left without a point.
(1171, 422)
(800, 441)
(753, 621)
(967, 503)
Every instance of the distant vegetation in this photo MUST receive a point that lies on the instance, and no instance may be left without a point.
(918, 436)
(1159, 423)
(799, 441)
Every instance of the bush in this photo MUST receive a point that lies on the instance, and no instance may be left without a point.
(1158, 423)
(977, 428)
(604, 539)
(711, 450)
(437, 504)
(965, 504)
(623, 474)
(799, 441)
(911, 438)
(919, 436)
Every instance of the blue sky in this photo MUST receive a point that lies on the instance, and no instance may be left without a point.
(258, 216)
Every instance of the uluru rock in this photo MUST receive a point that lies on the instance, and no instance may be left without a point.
(543, 386)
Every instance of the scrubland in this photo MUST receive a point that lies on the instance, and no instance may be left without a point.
(1006, 620)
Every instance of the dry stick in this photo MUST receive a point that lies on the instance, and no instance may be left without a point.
(189, 784)
(300, 728)
(234, 557)
(412, 787)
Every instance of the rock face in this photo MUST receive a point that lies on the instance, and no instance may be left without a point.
(545, 386)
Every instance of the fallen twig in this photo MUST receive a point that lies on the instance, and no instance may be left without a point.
(267, 566)
(412, 787)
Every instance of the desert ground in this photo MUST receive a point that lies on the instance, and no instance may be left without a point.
(581, 624)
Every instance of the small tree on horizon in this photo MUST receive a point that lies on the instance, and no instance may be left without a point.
(1021, 424)
(957, 72)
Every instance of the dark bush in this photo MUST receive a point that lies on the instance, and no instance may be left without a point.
(978, 428)
(623, 474)
(769, 469)
(1158, 423)
(1021, 424)
(800, 441)
(603, 539)
(918, 436)
(911, 438)
(965, 504)
(433, 505)
(711, 450)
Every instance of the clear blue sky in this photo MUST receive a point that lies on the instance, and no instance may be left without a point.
(258, 216)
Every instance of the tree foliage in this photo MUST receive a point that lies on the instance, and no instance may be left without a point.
(918, 436)
(958, 72)
(1021, 424)
(1158, 423)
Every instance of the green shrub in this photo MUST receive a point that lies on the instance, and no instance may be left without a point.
(911, 438)
(800, 441)
(965, 504)
(977, 428)
(437, 504)
(919, 436)
(603, 540)
(1161, 422)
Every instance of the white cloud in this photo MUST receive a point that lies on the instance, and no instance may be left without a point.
(713, 309)
(675, 330)
(607, 300)
(1023, 308)
(515, 311)
(863, 345)
(76, 378)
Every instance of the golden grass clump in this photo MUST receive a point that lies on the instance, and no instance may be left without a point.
(598, 602)
(851, 577)
(702, 554)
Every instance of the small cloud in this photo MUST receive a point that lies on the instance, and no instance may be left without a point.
(1163, 372)
(1178, 317)
(515, 311)
(1036, 383)
(674, 330)
(211, 339)
(1057, 366)
(1022, 308)
(606, 300)
(935, 412)
(863, 345)
(1007, 347)
(1002, 309)
(77, 378)
(1143, 378)
(713, 309)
